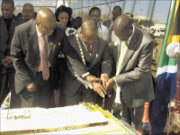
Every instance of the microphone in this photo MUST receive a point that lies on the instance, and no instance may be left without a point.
(173, 50)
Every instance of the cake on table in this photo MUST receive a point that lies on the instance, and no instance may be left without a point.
(83, 118)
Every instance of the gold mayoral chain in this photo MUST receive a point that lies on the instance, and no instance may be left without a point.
(81, 51)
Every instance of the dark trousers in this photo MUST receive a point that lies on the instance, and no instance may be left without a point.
(132, 115)
(4, 89)
(82, 95)
(42, 95)
(7, 85)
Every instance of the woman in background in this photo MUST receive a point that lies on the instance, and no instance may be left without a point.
(63, 16)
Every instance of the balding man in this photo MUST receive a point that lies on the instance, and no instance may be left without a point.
(28, 11)
(34, 51)
(133, 69)
(88, 57)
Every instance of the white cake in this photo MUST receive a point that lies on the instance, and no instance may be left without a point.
(39, 119)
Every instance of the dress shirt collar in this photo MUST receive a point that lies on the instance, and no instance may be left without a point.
(38, 32)
(129, 39)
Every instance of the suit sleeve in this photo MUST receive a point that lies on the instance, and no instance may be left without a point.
(143, 67)
(74, 59)
(106, 67)
(18, 59)
(1, 56)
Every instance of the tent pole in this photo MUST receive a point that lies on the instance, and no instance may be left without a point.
(56, 4)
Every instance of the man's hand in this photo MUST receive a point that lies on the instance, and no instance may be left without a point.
(9, 60)
(98, 88)
(104, 79)
(31, 87)
(6, 61)
(110, 84)
(91, 79)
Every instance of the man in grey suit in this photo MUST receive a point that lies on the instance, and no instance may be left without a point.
(34, 51)
(88, 57)
(8, 22)
(133, 69)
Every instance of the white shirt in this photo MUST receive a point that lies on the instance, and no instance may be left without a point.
(103, 31)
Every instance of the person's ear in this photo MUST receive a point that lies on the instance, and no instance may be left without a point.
(14, 9)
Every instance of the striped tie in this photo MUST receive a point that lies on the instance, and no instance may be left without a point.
(44, 58)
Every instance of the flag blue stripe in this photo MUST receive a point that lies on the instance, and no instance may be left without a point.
(165, 88)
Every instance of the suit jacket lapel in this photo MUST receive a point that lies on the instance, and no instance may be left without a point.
(50, 45)
(4, 28)
(94, 50)
(33, 38)
(97, 51)
(13, 25)
(131, 48)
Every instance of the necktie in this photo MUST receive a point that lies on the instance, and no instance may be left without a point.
(44, 59)
(89, 48)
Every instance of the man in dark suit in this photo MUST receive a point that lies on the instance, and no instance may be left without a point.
(28, 11)
(8, 22)
(88, 57)
(133, 73)
(34, 51)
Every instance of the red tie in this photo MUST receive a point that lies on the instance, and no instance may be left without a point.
(89, 48)
(44, 58)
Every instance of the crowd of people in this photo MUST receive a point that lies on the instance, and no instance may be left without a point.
(51, 59)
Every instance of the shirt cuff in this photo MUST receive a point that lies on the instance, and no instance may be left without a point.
(115, 80)
(84, 75)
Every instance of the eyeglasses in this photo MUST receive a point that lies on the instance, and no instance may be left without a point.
(28, 11)
(48, 28)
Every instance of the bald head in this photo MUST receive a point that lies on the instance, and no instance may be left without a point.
(89, 31)
(46, 21)
(45, 15)
(89, 24)
(123, 27)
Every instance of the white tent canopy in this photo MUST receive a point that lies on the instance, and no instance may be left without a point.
(156, 10)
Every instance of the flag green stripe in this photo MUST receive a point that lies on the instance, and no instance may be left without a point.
(164, 59)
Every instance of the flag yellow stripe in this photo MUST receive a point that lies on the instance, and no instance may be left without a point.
(170, 38)
(176, 38)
